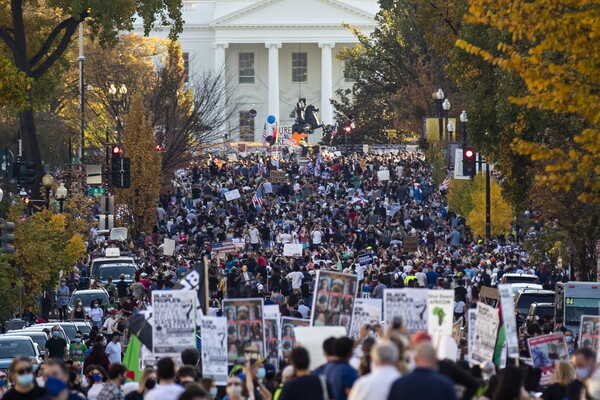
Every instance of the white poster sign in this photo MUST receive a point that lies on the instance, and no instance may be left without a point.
(471, 321)
(174, 327)
(383, 175)
(312, 338)
(271, 311)
(441, 312)
(169, 247)
(232, 195)
(366, 312)
(410, 305)
(508, 317)
(484, 339)
(292, 250)
(214, 348)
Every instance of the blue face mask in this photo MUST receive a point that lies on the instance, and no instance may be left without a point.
(55, 333)
(569, 339)
(213, 391)
(97, 377)
(3, 382)
(261, 373)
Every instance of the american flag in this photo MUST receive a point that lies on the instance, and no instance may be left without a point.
(445, 182)
(318, 165)
(225, 247)
(264, 135)
(333, 133)
(257, 199)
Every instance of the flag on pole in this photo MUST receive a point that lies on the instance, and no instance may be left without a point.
(333, 133)
(446, 181)
(131, 360)
(318, 164)
(264, 135)
(257, 199)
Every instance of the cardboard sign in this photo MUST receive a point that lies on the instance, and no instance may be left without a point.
(312, 338)
(245, 333)
(174, 325)
(411, 244)
(509, 319)
(489, 296)
(383, 175)
(214, 348)
(366, 312)
(440, 305)
(546, 351)
(278, 176)
(169, 247)
(292, 250)
(484, 339)
(365, 259)
(232, 195)
(333, 299)
(408, 304)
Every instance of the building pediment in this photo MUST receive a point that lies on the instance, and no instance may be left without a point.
(295, 13)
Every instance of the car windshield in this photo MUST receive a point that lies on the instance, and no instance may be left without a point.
(544, 311)
(527, 299)
(97, 264)
(70, 330)
(116, 271)
(39, 339)
(84, 328)
(87, 298)
(521, 279)
(10, 348)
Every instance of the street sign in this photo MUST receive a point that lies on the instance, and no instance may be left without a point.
(96, 191)
(75, 160)
(365, 259)
(6, 163)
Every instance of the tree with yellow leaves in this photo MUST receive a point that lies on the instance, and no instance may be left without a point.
(137, 205)
(554, 47)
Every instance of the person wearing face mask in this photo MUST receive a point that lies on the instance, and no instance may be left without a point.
(20, 374)
(78, 313)
(56, 347)
(62, 300)
(584, 361)
(256, 372)
(3, 384)
(570, 342)
(235, 388)
(98, 355)
(96, 314)
(112, 388)
(210, 385)
(147, 382)
(77, 349)
(113, 349)
(95, 376)
(166, 389)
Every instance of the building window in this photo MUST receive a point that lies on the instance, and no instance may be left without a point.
(246, 127)
(349, 74)
(299, 67)
(246, 67)
(186, 67)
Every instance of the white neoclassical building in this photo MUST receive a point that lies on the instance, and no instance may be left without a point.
(273, 52)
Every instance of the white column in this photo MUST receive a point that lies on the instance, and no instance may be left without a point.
(273, 102)
(326, 82)
(220, 68)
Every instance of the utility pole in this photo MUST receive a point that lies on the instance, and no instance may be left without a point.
(81, 59)
(488, 205)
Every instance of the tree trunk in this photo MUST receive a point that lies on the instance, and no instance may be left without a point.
(31, 148)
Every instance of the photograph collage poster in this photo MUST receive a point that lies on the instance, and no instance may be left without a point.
(245, 333)
(333, 300)
(288, 338)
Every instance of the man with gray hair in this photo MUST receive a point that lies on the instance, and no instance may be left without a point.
(377, 384)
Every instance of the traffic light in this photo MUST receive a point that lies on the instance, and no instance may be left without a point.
(29, 173)
(159, 147)
(121, 172)
(7, 238)
(116, 151)
(468, 162)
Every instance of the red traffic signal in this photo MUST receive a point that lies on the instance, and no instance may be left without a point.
(469, 153)
(158, 147)
(117, 150)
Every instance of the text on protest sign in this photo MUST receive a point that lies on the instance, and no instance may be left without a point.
(174, 325)
(365, 259)
(408, 304)
(292, 250)
(441, 312)
(214, 348)
(546, 351)
(508, 317)
(232, 195)
(366, 312)
(484, 338)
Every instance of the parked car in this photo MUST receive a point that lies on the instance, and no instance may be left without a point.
(41, 327)
(525, 298)
(13, 346)
(69, 327)
(520, 278)
(87, 296)
(84, 327)
(538, 311)
(115, 271)
(38, 337)
(99, 262)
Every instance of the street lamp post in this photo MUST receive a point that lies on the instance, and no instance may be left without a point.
(47, 182)
(438, 98)
(116, 98)
(450, 127)
(446, 108)
(463, 121)
(61, 195)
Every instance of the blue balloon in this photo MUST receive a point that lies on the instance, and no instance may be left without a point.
(271, 119)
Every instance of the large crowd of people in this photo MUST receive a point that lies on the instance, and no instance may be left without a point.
(337, 208)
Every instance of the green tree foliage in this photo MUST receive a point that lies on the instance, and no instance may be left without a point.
(8, 288)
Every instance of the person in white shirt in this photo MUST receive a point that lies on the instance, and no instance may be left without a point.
(296, 277)
(303, 308)
(114, 349)
(254, 237)
(377, 384)
(317, 236)
(166, 389)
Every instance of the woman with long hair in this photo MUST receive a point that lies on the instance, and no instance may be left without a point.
(510, 386)
(147, 382)
(98, 356)
(564, 387)
(95, 376)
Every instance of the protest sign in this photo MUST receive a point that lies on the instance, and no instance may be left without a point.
(411, 244)
(489, 296)
(410, 305)
(232, 195)
(241, 147)
(333, 299)
(590, 330)
(245, 333)
(174, 322)
(508, 318)
(214, 348)
(288, 338)
(383, 175)
(277, 176)
(366, 312)
(169, 247)
(312, 338)
(440, 304)
(471, 321)
(484, 338)
(271, 311)
(231, 157)
(292, 250)
(365, 259)
(272, 341)
(546, 351)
